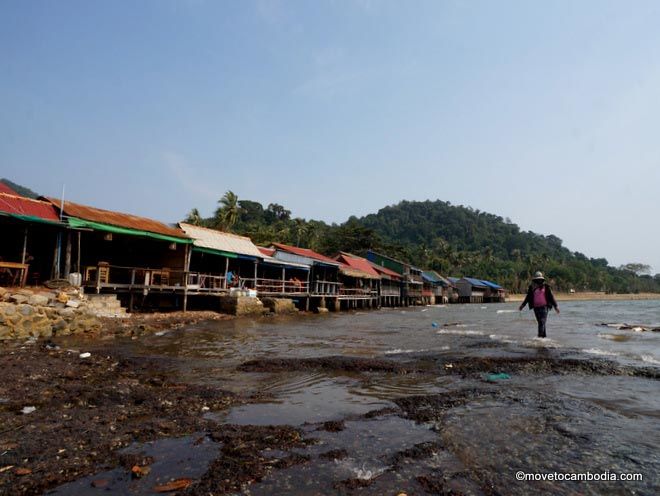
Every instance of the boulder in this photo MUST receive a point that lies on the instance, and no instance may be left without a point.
(6, 332)
(38, 300)
(279, 305)
(73, 303)
(18, 298)
(25, 310)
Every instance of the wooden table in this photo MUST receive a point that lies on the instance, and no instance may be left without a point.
(17, 266)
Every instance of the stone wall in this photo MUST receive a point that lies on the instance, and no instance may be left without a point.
(279, 305)
(29, 313)
(241, 305)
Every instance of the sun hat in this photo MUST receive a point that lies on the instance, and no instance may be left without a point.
(538, 275)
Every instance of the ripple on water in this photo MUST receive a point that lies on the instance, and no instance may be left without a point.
(369, 447)
(306, 398)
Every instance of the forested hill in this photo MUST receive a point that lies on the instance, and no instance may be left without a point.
(454, 240)
(463, 241)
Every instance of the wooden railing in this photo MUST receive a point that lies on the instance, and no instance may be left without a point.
(279, 286)
(358, 292)
(324, 288)
(390, 291)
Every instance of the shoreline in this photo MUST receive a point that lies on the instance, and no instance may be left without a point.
(592, 296)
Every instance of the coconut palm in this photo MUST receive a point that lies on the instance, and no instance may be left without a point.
(227, 213)
(194, 218)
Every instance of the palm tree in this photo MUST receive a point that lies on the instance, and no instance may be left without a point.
(301, 229)
(227, 214)
(194, 218)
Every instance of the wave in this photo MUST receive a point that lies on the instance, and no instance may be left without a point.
(615, 337)
(650, 359)
(465, 332)
(597, 351)
(397, 351)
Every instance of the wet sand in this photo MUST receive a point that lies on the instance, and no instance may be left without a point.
(592, 296)
(130, 419)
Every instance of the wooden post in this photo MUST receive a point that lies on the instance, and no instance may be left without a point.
(255, 275)
(78, 268)
(283, 279)
(67, 255)
(186, 269)
(226, 270)
(25, 236)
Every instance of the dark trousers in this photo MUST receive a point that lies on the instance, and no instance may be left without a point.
(541, 314)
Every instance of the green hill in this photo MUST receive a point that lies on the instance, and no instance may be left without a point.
(454, 240)
(458, 240)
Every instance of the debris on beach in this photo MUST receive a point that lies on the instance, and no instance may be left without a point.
(630, 327)
(498, 377)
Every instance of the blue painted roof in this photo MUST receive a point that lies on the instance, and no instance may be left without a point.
(475, 282)
(491, 284)
(430, 277)
(454, 280)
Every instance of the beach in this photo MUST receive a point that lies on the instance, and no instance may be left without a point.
(593, 296)
(445, 399)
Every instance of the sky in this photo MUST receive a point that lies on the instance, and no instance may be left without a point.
(544, 112)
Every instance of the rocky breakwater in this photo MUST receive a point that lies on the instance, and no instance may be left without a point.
(27, 313)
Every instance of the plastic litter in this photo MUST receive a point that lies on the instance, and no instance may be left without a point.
(498, 377)
(87, 354)
(434, 324)
(28, 409)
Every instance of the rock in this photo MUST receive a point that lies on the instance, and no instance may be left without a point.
(25, 310)
(18, 298)
(73, 303)
(87, 354)
(3, 292)
(322, 310)
(38, 300)
(6, 332)
(8, 309)
(62, 297)
(279, 305)
(67, 313)
(25, 292)
(28, 409)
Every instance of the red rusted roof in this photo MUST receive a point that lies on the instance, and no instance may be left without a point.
(19, 205)
(359, 263)
(117, 218)
(385, 271)
(7, 189)
(305, 252)
(267, 251)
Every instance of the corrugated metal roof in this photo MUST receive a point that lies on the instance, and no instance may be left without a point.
(491, 284)
(358, 263)
(19, 205)
(305, 252)
(116, 218)
(384, 271)
(221, 241)
(475, 282)
(6, 189)
(269, 252)
(443, 280)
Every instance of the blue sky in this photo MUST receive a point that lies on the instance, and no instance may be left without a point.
(544, 112)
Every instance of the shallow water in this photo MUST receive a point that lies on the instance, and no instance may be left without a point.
(537, 420)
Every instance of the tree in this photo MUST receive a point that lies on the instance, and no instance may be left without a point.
(275, 211)
(194, 218)
(227, 214)
(636, 268)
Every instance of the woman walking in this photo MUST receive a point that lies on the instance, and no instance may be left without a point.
(541, 300)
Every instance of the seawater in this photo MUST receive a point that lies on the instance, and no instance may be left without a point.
(535, 421)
